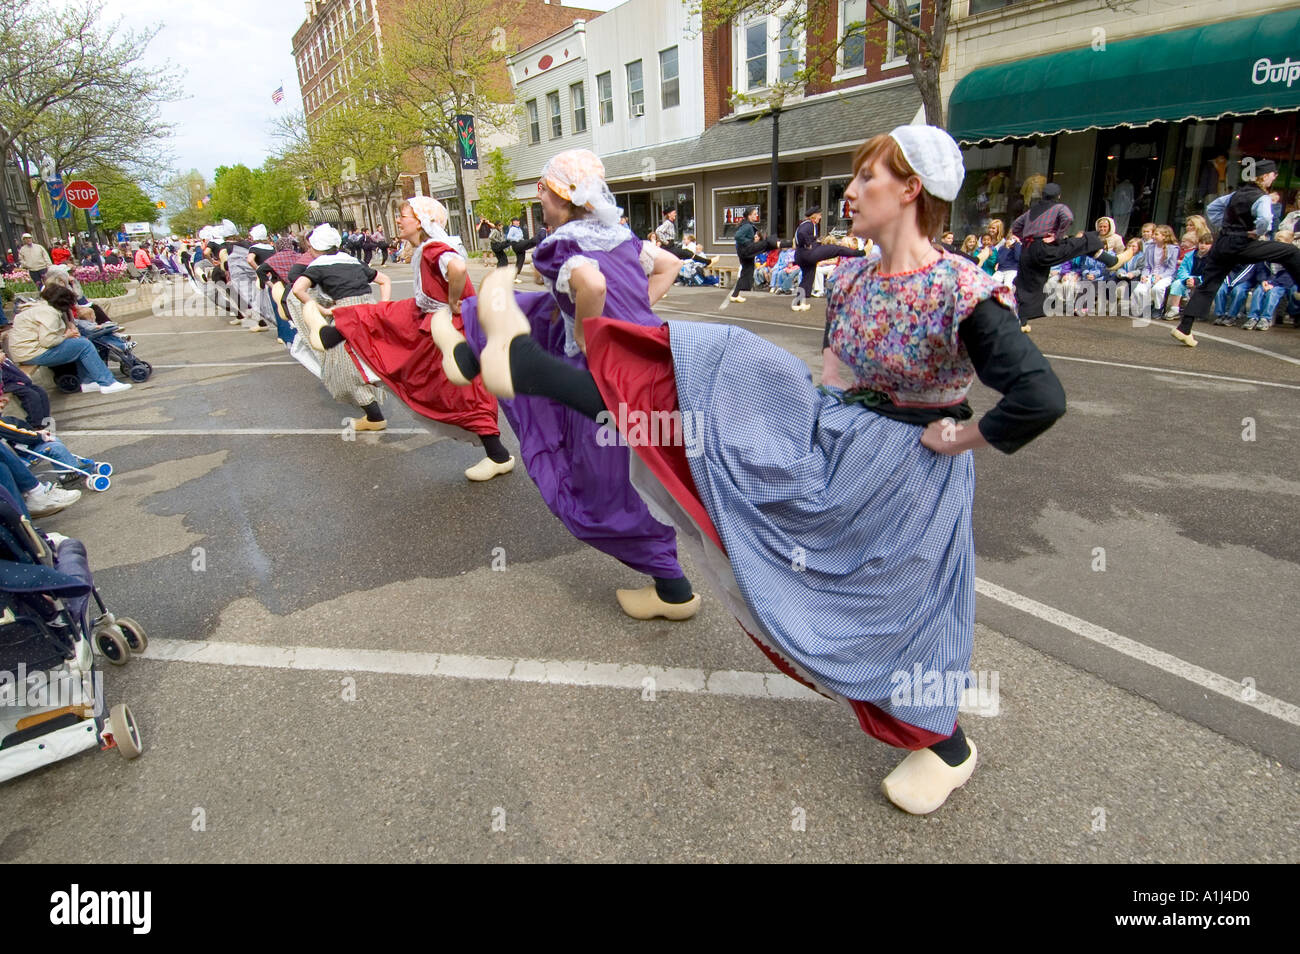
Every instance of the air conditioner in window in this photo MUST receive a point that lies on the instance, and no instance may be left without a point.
(638, 109)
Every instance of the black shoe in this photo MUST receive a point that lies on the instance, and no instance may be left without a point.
(1107, 258)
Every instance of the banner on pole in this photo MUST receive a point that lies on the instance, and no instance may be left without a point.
(468, 143)
(57, 199)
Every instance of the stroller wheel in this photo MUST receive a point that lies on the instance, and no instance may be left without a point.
(141, 371)
(134, 633)
(98, 483)
(112, 645)
(126, 734)
(104, 469)
(68, 383)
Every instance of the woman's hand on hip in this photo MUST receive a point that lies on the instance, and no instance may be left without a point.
(947, 436)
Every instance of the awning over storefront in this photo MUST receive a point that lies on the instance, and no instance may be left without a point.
(1239, 67)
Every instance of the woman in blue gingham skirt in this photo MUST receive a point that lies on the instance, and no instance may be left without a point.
(835, 522)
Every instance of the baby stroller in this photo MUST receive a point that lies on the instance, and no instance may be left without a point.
(51, 692)
(96, 474)
(111, 348)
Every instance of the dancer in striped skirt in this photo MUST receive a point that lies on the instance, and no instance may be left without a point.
(836, 523)
(343, 280)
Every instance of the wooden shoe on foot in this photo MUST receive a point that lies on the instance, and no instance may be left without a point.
(366, 424)
(446, 337)
(922, 782)
(315, 321)
(646, 604)
(502, 322)
(487, 468)
(1185, 339)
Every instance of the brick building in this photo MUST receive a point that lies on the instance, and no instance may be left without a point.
(659, 112)
(339, 40)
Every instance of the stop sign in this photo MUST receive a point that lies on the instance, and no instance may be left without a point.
(81, 194)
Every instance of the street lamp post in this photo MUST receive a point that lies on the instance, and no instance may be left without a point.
(774, 223)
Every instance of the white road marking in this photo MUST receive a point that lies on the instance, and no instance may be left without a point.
(236, 432)
(554, 672)
(1269, 705)
(214, 331)
(631, 676)
(1190, 374)
(772, 685)
(1236, 344)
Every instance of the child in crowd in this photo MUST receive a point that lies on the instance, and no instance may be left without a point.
(1275, 284)
(1230, 301)
(1159, 266)
(1189, 270)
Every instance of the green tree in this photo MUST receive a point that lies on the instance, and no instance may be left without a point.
(233, 188)
(184, 194)
(371, 139)
(278, 200)
(496, 192)
(121, 198)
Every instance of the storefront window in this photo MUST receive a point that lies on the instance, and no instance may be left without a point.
(645, 210)
(730, 207)
(835, 217)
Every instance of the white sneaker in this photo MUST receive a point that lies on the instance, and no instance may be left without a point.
(45, 499)
(89, 387)
(115, 387)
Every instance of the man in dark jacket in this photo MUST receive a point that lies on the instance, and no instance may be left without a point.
(1245, 216)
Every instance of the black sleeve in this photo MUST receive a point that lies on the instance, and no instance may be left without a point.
(265, 276)
(1007, 361)
(371, 274)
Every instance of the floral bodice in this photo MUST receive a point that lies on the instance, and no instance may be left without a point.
(898, 333)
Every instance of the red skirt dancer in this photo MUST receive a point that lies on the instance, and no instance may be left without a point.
(393, 339)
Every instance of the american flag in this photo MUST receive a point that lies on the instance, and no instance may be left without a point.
(278, 95)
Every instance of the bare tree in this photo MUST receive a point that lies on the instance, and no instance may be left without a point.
(68, 58)
(443, 60)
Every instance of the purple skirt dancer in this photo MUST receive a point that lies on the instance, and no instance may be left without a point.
(583, 482)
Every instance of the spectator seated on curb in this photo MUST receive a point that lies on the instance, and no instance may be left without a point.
(763, 268)
(59, 275)
(1230, 300)
(16, 432)
(785, 273)
(1190, 268)
(35, 402)
(1159, 266)
(38, 499)
(46, 334)
(1275, 285)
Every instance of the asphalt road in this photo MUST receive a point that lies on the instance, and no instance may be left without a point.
(445, 713)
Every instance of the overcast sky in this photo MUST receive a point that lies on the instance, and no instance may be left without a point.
(234, 55)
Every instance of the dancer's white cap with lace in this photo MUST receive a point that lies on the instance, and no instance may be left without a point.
(325, 237)
(935, 156)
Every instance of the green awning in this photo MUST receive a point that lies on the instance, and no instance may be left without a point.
(1238, 66)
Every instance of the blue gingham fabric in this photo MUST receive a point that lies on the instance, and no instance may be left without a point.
(850, 542)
